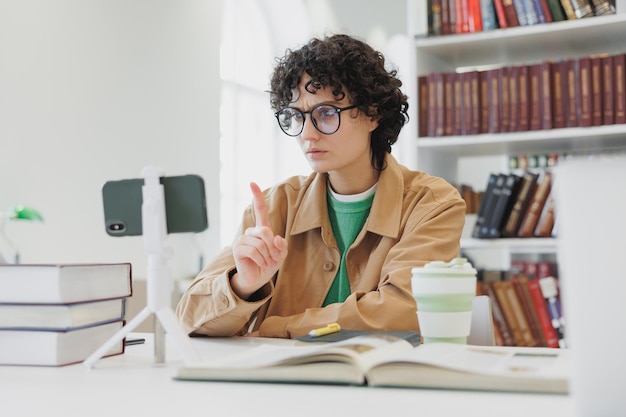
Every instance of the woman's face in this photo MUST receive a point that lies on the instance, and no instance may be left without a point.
(345, 152)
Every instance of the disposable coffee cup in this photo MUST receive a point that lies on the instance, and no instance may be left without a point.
(444, 292)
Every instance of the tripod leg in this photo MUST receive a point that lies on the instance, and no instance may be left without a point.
(117, 337)
(181, 340)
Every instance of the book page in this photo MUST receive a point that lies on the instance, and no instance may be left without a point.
(355, 350)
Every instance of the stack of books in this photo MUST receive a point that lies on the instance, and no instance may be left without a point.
(59, 314)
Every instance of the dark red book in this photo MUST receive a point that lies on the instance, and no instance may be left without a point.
(585, 87)
(546, 95)
(608, 91)
(484, 101)
(520, 284)
(523, 85)
(440, 103)
(505, 99)
(447, 24)
(457, 104)
(511, 13)
(559, 93)
(619, 70)
(432, 104)
(572, 111)
(494, 95)
(533, 212)
(461, 16)
(541, 308)
(422, 105)
(448, 107)
(522, 201)
(500, 14)
(498, 315)
(535, 118)
(466, 107)
(597, 110)
(514, 101)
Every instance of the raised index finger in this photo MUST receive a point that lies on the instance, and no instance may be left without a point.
(259, 206)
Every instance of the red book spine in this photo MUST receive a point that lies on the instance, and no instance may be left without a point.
(505, 99)
(449, 100)
(500, 14)
(596, 91)
(552, 340)
(559, 93)
(457, 105)
(546, 95)
(523, 84)
(608, 86)
(494, 95)
(484, 102)
(536, 102)
(584, 68)
(619, 66)
(573, 93)
(514, 101)
(466, 108)
(432, 104)
(422, 96)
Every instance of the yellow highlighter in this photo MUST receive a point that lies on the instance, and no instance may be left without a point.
(328, 329)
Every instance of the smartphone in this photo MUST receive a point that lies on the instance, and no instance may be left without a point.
(185, 205)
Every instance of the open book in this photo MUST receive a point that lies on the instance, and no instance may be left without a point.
(392, 362)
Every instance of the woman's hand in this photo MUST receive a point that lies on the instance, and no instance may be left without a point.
(258, 252)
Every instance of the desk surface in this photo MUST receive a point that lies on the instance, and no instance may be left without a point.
(134, 384)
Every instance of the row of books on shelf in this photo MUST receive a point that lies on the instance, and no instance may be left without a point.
(526, 304)
(513, 204)
(576, 92)
(446, 17)
(59, 314)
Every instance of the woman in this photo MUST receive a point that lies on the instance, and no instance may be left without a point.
(338, 245)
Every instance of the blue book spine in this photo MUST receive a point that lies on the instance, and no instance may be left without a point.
(488, 15)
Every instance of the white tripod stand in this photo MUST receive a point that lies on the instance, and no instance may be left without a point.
(159, 280)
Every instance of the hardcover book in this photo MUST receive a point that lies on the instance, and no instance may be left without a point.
(422, 95)
(498, 316)
(514, 99)
(559, 93)
(524, 98)
(524, 196)
(56, 348)
(597, 109)
(494, 105)
(64, 283)
(608, 91)
(432, 104)
(535, 115)
(513, 313)
(449, 103)
(546, 95)
(393, 362)
(60, 317)
(619, 71)
(504, 204)
(532, 214)
(541, 308)
(520, 284)
(585, 87)
(572, 111)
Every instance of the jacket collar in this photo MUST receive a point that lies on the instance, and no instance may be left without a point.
(385, 215)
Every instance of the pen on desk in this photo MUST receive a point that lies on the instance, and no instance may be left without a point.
(328, 329)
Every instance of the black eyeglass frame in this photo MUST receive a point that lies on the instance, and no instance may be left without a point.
(304, 113)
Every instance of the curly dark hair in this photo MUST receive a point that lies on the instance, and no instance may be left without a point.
(344, 62)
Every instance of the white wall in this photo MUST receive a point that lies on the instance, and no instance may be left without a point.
(94, 90)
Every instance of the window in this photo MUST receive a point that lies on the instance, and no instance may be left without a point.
(252, 147)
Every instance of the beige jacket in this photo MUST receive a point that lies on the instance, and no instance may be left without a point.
(415, 218)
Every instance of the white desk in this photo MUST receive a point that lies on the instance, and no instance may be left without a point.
(132, 384)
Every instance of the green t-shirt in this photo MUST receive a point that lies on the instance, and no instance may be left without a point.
(347, 220)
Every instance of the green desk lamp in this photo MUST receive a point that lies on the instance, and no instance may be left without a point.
(17, 212)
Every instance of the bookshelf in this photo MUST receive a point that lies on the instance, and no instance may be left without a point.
(470, 158)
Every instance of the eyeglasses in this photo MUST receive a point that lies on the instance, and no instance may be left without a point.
(326, 119)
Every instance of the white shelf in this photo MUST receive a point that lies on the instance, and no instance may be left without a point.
(514, 245)
(570, 38)
(574, 139)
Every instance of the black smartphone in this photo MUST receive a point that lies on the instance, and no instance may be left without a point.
(185, 205)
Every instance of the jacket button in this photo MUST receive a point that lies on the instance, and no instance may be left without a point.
(328, 266)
